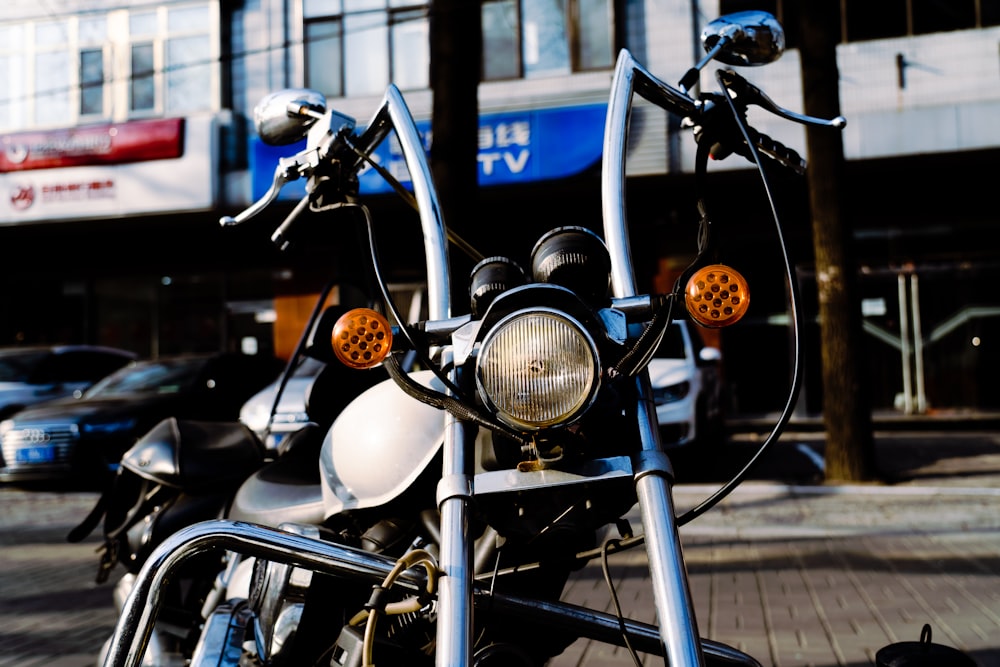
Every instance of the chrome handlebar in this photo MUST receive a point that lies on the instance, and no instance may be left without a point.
(331, 139)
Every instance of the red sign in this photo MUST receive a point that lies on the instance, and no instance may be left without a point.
(117, 143)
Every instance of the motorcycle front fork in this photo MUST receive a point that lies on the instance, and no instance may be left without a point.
(654, 477)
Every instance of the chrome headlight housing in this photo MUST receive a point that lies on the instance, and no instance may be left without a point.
(537, 368)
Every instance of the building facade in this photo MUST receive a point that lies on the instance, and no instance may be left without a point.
(126, 131)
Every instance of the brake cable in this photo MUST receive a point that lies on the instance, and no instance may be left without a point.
(639, 356)
(458, 405)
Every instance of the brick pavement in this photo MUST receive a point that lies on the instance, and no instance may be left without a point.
(52, 614)
(814, 577)
(807, 575)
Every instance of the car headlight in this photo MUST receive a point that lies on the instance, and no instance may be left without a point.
(671, 393)
(107, 428)
(538, 368)
(255, 415)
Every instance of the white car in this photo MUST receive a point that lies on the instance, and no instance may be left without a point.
(685, 375)
(290, 414)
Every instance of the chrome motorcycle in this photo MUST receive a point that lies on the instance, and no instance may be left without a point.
(458, 499)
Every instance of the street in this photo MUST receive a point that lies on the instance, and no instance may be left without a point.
(794, 572)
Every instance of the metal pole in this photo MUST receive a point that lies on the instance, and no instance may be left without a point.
(918, 344)
(904, 345)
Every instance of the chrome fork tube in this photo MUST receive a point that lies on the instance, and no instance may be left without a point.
(652, 469)
(667, 570)
(454, 623)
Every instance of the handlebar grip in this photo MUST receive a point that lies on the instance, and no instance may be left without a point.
(780, 153)
(280, 235)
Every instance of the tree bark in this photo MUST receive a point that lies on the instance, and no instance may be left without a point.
(455, 64)
(846, 403)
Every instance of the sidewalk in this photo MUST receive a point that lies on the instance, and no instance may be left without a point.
(798, 573)
(795, 572)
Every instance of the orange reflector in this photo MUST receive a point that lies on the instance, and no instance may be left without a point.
(717, 296)
(362, 338)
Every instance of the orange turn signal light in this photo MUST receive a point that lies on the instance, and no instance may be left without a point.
(717, 296)
(362, 338)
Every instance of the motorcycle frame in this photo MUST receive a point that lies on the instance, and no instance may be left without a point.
(675, 636)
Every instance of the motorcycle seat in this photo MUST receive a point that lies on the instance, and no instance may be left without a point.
(286, 489)
(195, 456)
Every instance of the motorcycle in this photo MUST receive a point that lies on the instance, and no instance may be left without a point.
(184, 471)
(459, 498)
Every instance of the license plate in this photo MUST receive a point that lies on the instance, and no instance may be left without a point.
(35, 455)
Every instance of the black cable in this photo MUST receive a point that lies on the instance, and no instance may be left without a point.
(441, 401)
(458, 405)
(391, 305)
(296, 357)
(649, 340)
(614, 600)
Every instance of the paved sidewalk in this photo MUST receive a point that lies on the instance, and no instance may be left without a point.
(52, 614)
(813, 576)
(796, 573)
(809, 575)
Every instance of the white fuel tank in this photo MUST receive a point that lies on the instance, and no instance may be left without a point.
(379, 445)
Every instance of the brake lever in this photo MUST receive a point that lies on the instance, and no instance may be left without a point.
(288, 169)
(736, 82)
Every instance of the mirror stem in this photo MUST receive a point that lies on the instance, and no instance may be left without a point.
(690, 77)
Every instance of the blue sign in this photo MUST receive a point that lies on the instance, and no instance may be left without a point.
(514, 147)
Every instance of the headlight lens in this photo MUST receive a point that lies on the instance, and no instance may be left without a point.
(538, 368)
(671, 394)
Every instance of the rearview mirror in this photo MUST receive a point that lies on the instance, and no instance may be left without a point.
(285, 116)
(745, 38)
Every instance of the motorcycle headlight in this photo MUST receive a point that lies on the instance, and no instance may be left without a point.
(538, 368)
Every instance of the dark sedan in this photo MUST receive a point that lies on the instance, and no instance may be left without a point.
(83, 438)
(36, 373)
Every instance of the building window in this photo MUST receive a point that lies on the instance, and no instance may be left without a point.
(143, 85)
(53, 75)
(501, 40)
(537, 38)
(189, 61)
(356, 47)
(110, 65)
(93, 32)
(91, 82)
(12, 72)
(174, 58)
(863, 20)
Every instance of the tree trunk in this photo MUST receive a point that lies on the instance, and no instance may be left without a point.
(455, 63)
(846, 407)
